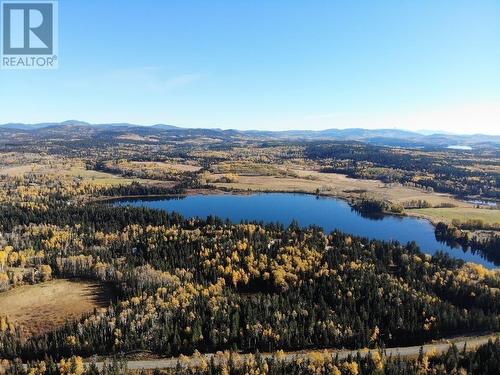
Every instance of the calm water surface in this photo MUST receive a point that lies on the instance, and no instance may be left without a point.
(328, 213)
(460, 147)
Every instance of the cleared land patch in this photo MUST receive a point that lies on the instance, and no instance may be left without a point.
(43, 307)
(180, 167)
(92, 177)
(102, 178)
(488, 216)
(338, 185)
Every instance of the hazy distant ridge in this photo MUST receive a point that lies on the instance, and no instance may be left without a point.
(391, 137)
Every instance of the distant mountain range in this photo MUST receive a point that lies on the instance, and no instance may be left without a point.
(390, 137)
(76, 123)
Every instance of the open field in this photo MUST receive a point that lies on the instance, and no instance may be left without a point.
(338, 185)
(96, 178)
(43, 307)
(179, 167)
(488, 216)
(102, 178)
(18, 170)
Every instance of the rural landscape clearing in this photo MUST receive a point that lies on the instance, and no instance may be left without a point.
(46, 306)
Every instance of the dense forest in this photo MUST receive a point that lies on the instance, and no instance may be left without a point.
(208, 285)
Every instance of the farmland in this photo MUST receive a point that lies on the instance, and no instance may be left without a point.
(462, 214)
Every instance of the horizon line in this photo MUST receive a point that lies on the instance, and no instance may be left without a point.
(83, 123)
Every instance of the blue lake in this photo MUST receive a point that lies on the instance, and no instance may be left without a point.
(328, 213)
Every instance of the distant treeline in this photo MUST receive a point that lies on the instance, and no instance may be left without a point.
(359, 160)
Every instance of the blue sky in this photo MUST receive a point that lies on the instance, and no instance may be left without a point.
(427, 64)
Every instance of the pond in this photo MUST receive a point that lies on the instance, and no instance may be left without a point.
(460, 147)
(328, 213)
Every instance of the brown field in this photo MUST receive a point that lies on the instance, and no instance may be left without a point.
(104, 179)
(18, 170)
(96, 178)
(488, 216)
(43, 307)
(338, 185)
(180, 167)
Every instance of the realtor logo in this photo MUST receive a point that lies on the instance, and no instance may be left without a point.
(29, 34)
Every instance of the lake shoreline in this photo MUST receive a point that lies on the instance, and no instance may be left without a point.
(218, 191)
(328, 212)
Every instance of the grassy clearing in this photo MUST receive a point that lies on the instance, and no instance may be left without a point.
(102, 178)
(178, 167)
(75, 169)
(247, 168)
(338, 185)
(463, 214)
(43, 307)
(17, 170)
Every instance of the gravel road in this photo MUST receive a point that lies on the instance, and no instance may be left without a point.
(410, 351)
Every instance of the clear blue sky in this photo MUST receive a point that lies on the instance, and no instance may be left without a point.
(427, 64)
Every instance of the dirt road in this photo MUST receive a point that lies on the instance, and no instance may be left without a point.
(410, 351)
